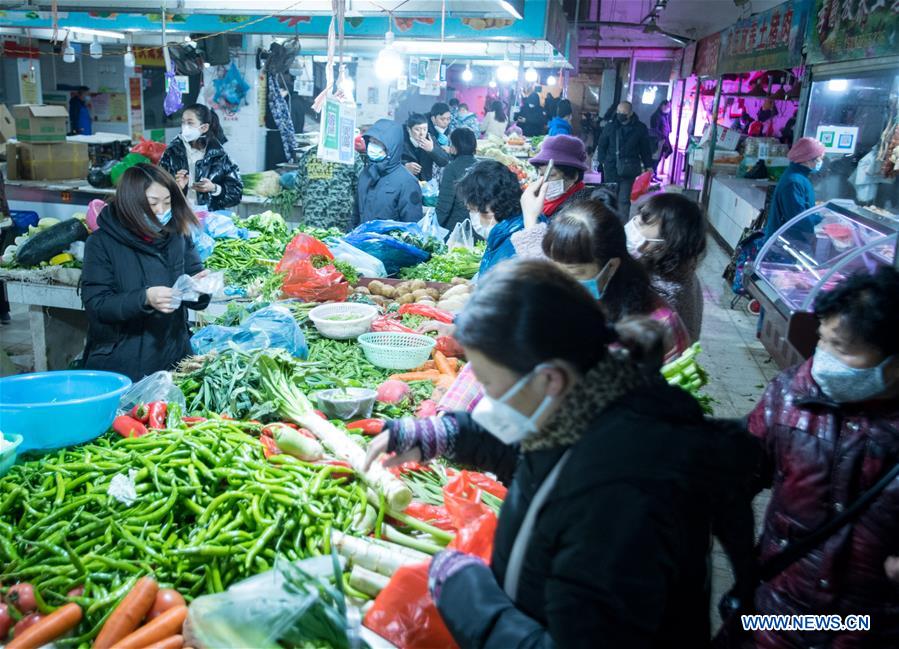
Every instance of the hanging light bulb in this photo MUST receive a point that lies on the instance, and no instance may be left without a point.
(492, 83)
(96, 49)
(346, 85)
(551, 80)
(467, 76)
(129, 58)
(531, 76)
(32, 75)
(389, 65)
(68, 54)
(506, 73)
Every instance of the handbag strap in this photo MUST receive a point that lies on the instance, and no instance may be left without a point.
(795, 551)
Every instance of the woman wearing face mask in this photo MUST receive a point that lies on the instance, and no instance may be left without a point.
(451, 210)
(196, 159)
(829, 429)
(565, 184)
(794, 192)
(141, 247)
(421, 150)
(667, 236)
(604, 535)
(493, 196)
(386, 190)
(659, 133)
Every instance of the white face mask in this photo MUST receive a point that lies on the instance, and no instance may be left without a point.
(554, 189)
(846, 384)
(502, 420)
(478, 226)
(636, 240)
(190, 133)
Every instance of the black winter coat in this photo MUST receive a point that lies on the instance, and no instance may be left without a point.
(619, 553)
(450, 208)
(426, 159)
(215, 165)
(634, 144)
(124, 334)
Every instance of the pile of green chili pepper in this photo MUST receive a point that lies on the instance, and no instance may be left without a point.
(210, 511)
(245, 260)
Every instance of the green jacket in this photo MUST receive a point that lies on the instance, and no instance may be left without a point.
(327, 191)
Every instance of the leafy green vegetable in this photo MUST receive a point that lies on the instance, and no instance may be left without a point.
(458, 262)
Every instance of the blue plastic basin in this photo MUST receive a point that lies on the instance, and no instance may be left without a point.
(55, 409)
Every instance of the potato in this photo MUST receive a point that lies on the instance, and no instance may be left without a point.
(404, 287)
(375, 287)
(433, 293)
(456, 290)
(458, 280)
(418, 284)
(389, 291)
(362, 290)
(425, 299)
(420, 293)
(405, 299)
(380, 300)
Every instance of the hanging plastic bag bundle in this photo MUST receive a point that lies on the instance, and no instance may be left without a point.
(306, 277)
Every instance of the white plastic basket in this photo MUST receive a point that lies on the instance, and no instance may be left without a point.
(343, 329)
(396, 351)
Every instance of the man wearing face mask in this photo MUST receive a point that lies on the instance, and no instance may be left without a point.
(131, 262)
(829, 429)
(794, 192)
(603, 538)
(386, 189)
(624, 151)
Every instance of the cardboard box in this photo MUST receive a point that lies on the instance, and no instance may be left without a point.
(726, 139)
(40, 123)
(7, 124)
(60, 161)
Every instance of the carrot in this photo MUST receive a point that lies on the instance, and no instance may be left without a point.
(129, 613)
(160, 628)
(428, 365)
(172, 642)
(49, 628)
(427, 375)
(443, 365)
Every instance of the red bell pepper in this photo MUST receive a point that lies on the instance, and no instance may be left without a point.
(367, 426)
(128, 426)
(140, 412)
(429, 312)
(157, 410)
(193, 421)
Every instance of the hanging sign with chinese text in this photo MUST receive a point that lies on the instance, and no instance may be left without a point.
(846, 30)
(769, 40)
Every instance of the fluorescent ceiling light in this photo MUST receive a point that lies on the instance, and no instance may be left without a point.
(96, 32)
(510, 9)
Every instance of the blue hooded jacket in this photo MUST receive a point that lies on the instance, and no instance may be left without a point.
(793, 195)
(559, 126)
(386, 189)
(499, 242)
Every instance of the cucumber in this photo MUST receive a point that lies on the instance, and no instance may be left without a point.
(45, 245)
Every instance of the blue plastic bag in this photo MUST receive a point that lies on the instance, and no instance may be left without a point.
(384, 226)
(365, 264)
(394, 254)
(203, 243)
(219, 226)
(273, 326)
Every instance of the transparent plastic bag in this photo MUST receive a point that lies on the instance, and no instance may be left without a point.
(295, 604)
(273, 326)
(394, 254)
(462, 236)
(189, 289)
(429, 192)
(431, 226)
(219, 226)
(159, 386)
(365, 264)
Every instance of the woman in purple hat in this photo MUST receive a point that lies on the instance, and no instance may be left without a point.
(565, 184)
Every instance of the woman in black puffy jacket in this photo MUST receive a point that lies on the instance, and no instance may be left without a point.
(196, 159)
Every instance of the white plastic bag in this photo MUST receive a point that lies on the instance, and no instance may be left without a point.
(431, 226)
(158, 386)
(462, 236)
(189, 289)
(365, 264)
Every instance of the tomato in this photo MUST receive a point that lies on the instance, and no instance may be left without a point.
(5, 622)
(25, 622)
(165, 599)
(22, 597)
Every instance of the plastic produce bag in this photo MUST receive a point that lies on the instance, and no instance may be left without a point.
(431, 226)
(295, 604)
(641, 185)
(220, 226)
(158, 386)
(272, 326)
(189, 289)
(232, 88)
(365, 264)
(93, 212)
(172, 102)
(150, 149)
(394, 254)
(462, 236)
(384, 226)
(429, 192)
(306, 282)
(127, 162)
(204, 244)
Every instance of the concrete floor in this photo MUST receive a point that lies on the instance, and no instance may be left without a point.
(15, 340)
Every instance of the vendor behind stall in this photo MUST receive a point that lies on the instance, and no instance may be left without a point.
(794, 192)
(199, 164)
(142, 246)
(386, 189)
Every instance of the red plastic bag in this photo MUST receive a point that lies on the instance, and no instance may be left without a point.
(386, 323)
(429, 312)
(405, 614)
(641, 185)
(475, 523)
(149, 149)
(433, 514)
(306, 282)
(448, 346)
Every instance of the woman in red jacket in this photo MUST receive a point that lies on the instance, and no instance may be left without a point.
(830, 430)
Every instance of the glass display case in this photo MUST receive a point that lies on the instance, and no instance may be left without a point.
(812, 253)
